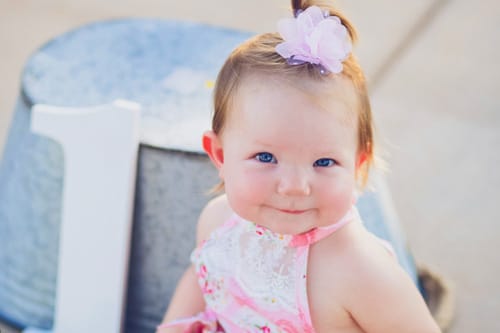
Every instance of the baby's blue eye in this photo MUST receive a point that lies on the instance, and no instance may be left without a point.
(265, 158)
(324, 162)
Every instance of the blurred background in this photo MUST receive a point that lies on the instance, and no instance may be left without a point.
(433, 71)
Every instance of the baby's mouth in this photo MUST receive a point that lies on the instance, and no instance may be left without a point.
(293, 211)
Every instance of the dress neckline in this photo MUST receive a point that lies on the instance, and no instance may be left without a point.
(309, 237)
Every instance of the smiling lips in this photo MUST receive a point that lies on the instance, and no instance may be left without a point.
(294, 212)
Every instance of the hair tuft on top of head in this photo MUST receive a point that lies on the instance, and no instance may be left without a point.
(296, 7)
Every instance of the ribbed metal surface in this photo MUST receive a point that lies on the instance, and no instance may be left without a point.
(30, 211)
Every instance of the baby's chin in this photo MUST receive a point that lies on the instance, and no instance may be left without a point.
(279, 221)
(287, 223)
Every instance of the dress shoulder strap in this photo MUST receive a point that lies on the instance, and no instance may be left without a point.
(317, 234)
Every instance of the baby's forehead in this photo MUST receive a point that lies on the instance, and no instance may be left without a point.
(334, 86)
(327, 93)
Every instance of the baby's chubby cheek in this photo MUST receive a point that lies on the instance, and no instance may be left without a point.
(246, 195)
(336, 199)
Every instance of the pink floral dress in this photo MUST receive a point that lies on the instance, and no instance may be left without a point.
(254, 280)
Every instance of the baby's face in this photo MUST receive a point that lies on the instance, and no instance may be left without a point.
(290, 154)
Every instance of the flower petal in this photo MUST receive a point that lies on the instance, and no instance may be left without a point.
(285, 49)
(315, 38)
(314, 15)
(287, 28)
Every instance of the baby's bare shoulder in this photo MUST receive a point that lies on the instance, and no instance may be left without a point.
(366, 282)
(350, 251)
(354, 249)
(357, 260)
(215, 213)
(337, 265)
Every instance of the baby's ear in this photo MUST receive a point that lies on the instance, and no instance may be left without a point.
(213, 147)
(361, 159)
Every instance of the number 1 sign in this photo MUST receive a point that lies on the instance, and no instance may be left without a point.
(100, 146)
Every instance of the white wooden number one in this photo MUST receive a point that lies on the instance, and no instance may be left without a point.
(100, 146)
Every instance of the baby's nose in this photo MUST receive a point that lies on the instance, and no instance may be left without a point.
(294, 182)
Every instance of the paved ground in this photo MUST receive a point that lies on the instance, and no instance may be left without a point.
(433, 68)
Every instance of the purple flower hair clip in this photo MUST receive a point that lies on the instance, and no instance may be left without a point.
(314, 37)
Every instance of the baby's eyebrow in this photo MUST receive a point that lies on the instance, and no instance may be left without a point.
(327, 153)
(263, 143)
(318, 152)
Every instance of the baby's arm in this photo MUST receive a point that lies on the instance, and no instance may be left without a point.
(188, 300)
(387, 300)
